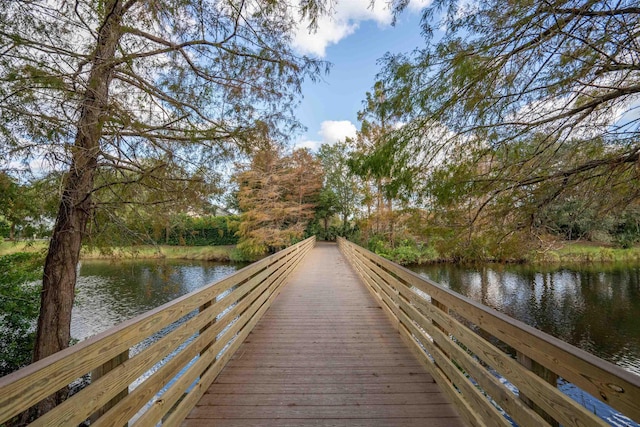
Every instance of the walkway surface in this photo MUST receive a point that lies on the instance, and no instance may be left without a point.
(324, 354)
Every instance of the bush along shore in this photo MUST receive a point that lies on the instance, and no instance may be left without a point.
(224, 253)
(404, 253)
(557, 253)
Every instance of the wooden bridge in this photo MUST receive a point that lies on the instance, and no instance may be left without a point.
(316, 336)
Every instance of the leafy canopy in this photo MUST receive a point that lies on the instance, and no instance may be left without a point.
(517, 103)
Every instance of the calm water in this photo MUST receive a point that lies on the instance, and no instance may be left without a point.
(112, 292)
(596, 308)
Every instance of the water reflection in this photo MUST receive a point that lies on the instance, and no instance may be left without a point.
(111, 292)
(595, 308)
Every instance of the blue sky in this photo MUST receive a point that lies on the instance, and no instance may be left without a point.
(352, 41)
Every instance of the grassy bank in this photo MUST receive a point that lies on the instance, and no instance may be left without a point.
(562, 253)
(572, 253)
(203, 253)
(556, 253)
(8, 248)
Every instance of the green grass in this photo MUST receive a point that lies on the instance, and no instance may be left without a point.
(572, 253)
(568, 253)
(203, 253)
(8, 248)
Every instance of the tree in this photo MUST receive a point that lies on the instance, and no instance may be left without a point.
(375, 158)
(131, 209)
(277, 196)
(93, 85)
(339, 179)
(557, 77)
(10, 203)
(326, 208)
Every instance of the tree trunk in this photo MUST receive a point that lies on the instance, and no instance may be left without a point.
(391, 222)
(60, 269)
(379, 205)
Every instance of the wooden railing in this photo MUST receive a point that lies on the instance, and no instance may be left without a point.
(198, 333)
(471, 350)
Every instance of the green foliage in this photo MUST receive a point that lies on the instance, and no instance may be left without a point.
(26, 207)
(203, 231)
(248, 251)
(406, 251)
(5, 228)
(511, 125)
(626, 230)
(578, 218)
(348, 231)
(340, 194)
(19, 305)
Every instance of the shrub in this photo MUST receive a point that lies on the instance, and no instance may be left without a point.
(19, 306)
(204, 231)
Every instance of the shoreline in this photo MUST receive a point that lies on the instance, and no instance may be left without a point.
(200, 253)
(565, 253)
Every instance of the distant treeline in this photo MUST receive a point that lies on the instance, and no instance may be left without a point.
(198, 231)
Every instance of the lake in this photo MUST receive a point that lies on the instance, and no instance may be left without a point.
(109, 292)
(594, 307)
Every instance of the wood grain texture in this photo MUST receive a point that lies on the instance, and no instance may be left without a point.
(450, 347)
(251, 290)
(324, 354)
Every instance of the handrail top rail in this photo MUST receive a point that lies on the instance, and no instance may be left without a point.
(610, 368)
(95, 340)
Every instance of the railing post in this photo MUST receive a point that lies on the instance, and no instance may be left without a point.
(103, 370)
(440, 306)
(544, 373)
(202, 308)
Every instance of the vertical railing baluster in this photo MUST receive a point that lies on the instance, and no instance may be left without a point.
(201, 309)
(103, 370)
(544, 373)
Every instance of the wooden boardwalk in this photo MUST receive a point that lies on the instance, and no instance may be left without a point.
(324, 354)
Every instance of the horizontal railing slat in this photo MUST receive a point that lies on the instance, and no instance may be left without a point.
(553, 401)
(482, 410)
(176, 417)
(462, 404)
(605, 381)
(254, 284)
(522, 414)
(160, 408)
(434, 325)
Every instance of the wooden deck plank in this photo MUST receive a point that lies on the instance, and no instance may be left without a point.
(333, 422)
(356, 388)
(322, 399)
(330, 411)
(324, 354)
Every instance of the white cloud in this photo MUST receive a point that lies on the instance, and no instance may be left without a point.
(344, 21)
(331, 131)
(418, 5)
